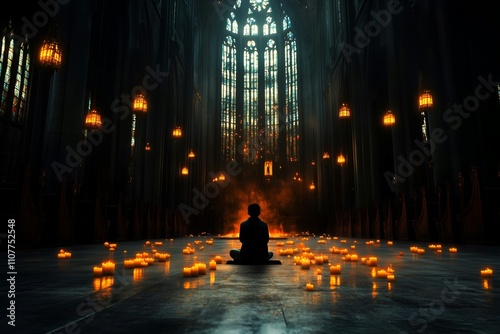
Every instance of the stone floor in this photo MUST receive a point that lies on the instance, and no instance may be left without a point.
(431, 293)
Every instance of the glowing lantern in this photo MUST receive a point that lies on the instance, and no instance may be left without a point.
(50, 51)
(191, 154)
(177, 133)
(425, 100)
(326, 155)
(389, 119)
(344, 111)
(93, 120)
(340, 159)
(148, 147)
(312, 186)
(140, 103)
(184, 171)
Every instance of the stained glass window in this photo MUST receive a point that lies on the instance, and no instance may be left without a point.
(14, 77)
(265, 84)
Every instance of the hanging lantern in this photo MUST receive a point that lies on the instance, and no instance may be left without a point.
(326, 155)
(312, 186)
(340, 159)
(268, 168)
(389, 118)
(184, 171)
(344, 111)
(140, 104)
(177, 133)
(191, 154)
(148, 147)
(93, 120)
(425, 100)
(50, 53)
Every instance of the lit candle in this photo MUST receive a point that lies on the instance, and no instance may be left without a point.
(390, 277)
(97, 271)
(194, 271)
(309, 287)
(305, 264)
(318, 271)
(137, 262)
(335, 269)
(186, 272)
(212, 265)
(382, 273)
(390, 243)
(106, 244)
(452, 250)
(202, 268)
(61, 256)
(372, 261)
(128, 263)
(318, 260)
(108, 268)
(218, 259)
(421, 251)
(487, 272)
(354, 257)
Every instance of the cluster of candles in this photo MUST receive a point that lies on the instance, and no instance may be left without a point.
(107, 269)
(195, 270)
(200, 268)
(188, 250)
(111, 246)
(417, 250)
(305, 260)
(144, 259)
(372, 261)
(63, 254)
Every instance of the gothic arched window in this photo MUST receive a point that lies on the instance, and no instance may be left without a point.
(259, 103)
(14, 76)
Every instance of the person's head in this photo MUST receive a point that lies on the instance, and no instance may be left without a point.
(254, 210)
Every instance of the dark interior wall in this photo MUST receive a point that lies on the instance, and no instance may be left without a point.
(111, 46)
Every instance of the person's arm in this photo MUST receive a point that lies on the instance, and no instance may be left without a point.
(267, 233)
(242, 233)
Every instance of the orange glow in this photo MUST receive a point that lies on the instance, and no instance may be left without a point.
(425, 100)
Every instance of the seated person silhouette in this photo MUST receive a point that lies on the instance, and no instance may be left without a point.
(254, 236)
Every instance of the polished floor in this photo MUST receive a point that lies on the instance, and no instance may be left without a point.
(431, 292)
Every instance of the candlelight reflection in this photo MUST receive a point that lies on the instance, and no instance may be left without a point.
(374, 290)
(104, 282)
(138, 274)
